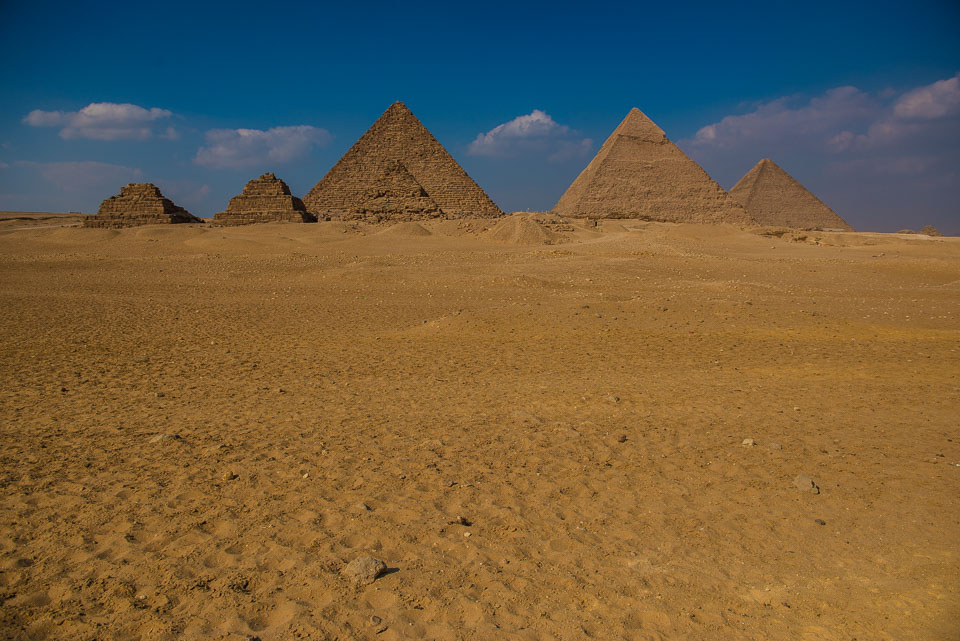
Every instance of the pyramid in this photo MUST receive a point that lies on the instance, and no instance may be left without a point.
(639, 173)
(139, 204)
(265, 199)
(397, 145)
(773, 197)
(394, 195)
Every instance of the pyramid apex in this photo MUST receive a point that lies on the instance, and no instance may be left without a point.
(638, 125)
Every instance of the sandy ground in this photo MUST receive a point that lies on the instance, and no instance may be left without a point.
(201, 427)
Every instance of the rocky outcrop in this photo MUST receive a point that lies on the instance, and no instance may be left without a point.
(139, 204)
(266, 199)
(398, 172)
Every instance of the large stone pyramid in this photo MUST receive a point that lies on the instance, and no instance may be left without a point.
(265, 199)
(773, 197)
(139, 204)
(639, 173)
(397, 171)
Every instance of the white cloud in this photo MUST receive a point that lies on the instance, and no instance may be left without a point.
(83, 175)
(102, 121)
(535, 131)
(241, 148)
(937, 100)
(785, 120)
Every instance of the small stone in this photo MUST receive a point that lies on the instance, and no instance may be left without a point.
(466, 534)
(306, 475)
(363, 507)
(63, 390)
(796, 409)
(461, 520)
(613, 399)
(364, 569)
(447, 483)
(159, 394)
(820, 522)
(163, 438)
(229, 476)
(806, 484)
(280, 390)
(375, 620)
(622, 438)
(748, 442)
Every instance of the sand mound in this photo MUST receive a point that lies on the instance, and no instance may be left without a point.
(406, 230)
(520, 230)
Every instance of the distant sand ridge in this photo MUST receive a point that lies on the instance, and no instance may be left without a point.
(774, 197)
(397, 171)
(639, 173)
(139, 204)
(266, 199)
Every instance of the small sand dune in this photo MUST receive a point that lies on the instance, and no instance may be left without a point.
(520, 230)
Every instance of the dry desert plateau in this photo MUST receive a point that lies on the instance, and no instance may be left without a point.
(543, 429)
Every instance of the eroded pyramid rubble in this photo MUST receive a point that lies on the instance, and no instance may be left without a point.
(139, 204)
(266, 199)
(397, 171)
(639, 173)
(774, 197)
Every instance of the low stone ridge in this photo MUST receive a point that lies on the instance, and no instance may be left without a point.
(139, 204)
(774, 197)
(639, 173)
(266, 199)
(398, 172)
(930, 230)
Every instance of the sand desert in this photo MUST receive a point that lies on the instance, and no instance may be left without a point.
(544, 428)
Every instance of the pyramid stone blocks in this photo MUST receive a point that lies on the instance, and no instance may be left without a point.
(773, 197)
(265, 199)
(139, 204)
(397, 171)
(639, 173)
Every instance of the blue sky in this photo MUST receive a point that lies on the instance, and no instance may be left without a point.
(859, 101)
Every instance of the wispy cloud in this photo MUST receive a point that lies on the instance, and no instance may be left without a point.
(82, 176)
(104, 121)
(876, 154)
(243, 148)
(536, 132)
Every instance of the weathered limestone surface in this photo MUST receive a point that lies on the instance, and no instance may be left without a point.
(266, 199)
(639, 173)
(139, 204)
(774, 197)
(397, 171)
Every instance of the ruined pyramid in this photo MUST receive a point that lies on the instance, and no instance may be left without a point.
(639, 173)
(773, 197)
(139, 204)
(397, 171)
(265, 199)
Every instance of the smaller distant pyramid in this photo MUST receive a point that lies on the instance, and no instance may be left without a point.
(774, 197)
(266, 199)
(139, 204)
(640, 173)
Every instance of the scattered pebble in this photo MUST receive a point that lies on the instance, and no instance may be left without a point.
(820, 522)
(461, 520)
(748, 442)
(613, 399)
(159, 394)
(466, 534)
(622, 438)
(364, 569)
(163, 438)
(229, 476)
(806, 484)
